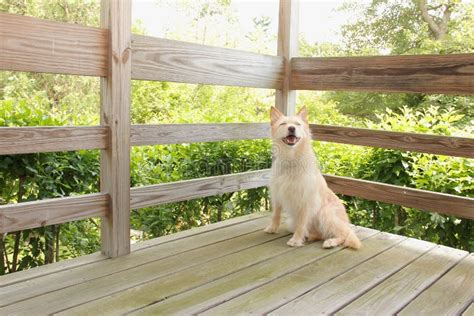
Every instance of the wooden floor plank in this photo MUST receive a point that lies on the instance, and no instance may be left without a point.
(199, 230)
(41, 271)
(159, 289)
(450, 295)
(469, 311)
(139, 260)
(290, 286)
(333, 295)
(407, 283)
(197, 298)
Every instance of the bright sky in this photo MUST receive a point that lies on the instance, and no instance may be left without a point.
(319, 19)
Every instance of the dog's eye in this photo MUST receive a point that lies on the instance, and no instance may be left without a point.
(298, 124)
(282, 124)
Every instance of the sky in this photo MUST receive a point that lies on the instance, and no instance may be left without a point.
(319, 19)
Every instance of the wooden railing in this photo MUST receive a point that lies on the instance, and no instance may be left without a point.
(117, 56)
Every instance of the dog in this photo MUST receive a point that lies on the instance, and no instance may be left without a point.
(298, 188)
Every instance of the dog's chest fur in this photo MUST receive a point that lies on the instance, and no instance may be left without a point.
(294, 184)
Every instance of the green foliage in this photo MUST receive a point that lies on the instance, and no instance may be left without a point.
(161, 164)
(386, 26)
(84, 12)
(445, 174)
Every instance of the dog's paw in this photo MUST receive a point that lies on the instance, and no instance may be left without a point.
(330, 243)
(295, 243)
(270, 229)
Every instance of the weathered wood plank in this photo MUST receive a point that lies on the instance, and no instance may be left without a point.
(115, 114)
(453, 73)
(421, 199)
(432, 144)
(407, 283)
(288, 20)
(192, 189)
(194, 133)
(336, 293)
(199, 230)
(25, 140)
(140, 267)
(190, 133)
(169, 60)
(70, 264)
(15, 217)
(31, 44)
(188, 299)
(469, 311)
(157, 289)
(288, 287)
(40, 271)
(450, 295)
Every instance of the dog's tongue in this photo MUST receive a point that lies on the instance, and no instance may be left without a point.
(291, 139)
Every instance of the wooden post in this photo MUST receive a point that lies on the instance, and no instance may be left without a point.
(285, 99)
(115, 114)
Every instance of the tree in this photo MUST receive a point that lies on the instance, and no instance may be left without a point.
(399, 27)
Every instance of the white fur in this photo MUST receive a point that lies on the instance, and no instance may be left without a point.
(298, 188)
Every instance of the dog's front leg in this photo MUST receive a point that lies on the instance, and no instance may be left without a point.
(272, 228)
(300, 228)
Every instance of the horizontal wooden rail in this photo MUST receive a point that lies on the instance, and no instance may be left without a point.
(25, 140)
(193, 133)
(15, 217)
(21, 140)
(169, 60)
(191, 189)
(420, 199)
(425, 143)
(451, 74)
(31, 44)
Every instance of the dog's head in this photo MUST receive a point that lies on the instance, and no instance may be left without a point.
(289, 130)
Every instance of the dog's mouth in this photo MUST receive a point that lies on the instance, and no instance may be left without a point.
(291, 140)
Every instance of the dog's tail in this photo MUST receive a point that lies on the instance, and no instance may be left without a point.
(352, 241)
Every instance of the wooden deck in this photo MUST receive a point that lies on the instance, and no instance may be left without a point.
(233, 267)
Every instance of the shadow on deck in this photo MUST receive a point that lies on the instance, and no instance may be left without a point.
(233, 267)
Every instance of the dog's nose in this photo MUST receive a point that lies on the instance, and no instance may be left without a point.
(291, 129)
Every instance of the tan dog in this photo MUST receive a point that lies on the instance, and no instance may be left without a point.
(297, 187)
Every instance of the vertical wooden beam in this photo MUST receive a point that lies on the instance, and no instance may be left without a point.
(285, 99)
(115, 114)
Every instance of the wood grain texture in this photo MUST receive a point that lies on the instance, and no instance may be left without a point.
(107, 277)
(432, 144)
(191, 234)
(194, 133)
(288, 20)
(407, 284)
(288, 287)
(15, 217)
(469, 310)
(450, 295)
(191, 189)
(115, 114)
(31, 44)
(157, 279)
(450, 74)
(191, 133)
(25, 140)
(336, 293)
(190, 299)
(421, 199)
(169, 60)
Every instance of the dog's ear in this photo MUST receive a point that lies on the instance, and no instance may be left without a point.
(275, 115)
(303, 113)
